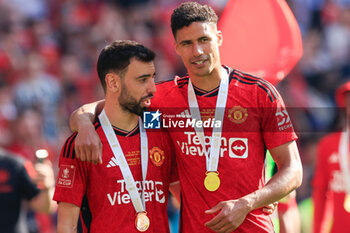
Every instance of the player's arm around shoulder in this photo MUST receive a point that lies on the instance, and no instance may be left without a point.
(85, 114)
(67, 217)
(88, 146)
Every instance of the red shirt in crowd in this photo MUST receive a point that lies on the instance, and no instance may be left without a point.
(328, 186)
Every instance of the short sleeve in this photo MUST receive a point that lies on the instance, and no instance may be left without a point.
(72, 176)
(27, 188)
(277, 126)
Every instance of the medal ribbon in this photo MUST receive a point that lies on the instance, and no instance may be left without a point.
(212, 161)
(344, 159)
(135, 197)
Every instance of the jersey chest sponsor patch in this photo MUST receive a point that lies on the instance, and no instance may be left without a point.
(238, 148)
(233, 147)
(153, 191)
(66, 176)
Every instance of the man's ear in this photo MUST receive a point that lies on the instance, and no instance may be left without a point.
(112, 82)
(220, 38)
(176, 46)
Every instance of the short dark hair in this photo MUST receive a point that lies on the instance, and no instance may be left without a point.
(116, 58)
(190, 12)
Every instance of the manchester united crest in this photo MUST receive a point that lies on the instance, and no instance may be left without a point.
(238, 114)
(157, 156)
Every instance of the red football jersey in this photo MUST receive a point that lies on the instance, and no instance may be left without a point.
(255, 119)
(328, 185)
(100, 190)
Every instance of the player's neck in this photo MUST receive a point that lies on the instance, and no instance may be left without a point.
(119, 117)
(208, 82)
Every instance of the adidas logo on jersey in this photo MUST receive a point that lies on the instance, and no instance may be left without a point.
(113, 162)
(184, 114)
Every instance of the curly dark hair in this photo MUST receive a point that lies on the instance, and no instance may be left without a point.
(190, 12)
(116, 57)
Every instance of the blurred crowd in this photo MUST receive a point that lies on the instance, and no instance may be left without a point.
(309, 89)
(48, 52)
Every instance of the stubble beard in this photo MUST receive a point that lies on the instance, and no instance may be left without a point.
(129, 103)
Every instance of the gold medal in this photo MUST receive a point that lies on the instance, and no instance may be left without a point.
(212, 181)
(142, 221)
(347, 203)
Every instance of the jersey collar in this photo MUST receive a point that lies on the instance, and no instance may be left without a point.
(213, 92)
(121, 132)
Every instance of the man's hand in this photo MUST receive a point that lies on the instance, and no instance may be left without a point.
(44, 175)
(269, 209)
(88, 146)
(232, 214)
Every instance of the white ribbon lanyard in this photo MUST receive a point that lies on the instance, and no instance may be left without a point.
(138, 204)
(344, 159)
(212, 161)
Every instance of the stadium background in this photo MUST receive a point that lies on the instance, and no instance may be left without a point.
(48, 51)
